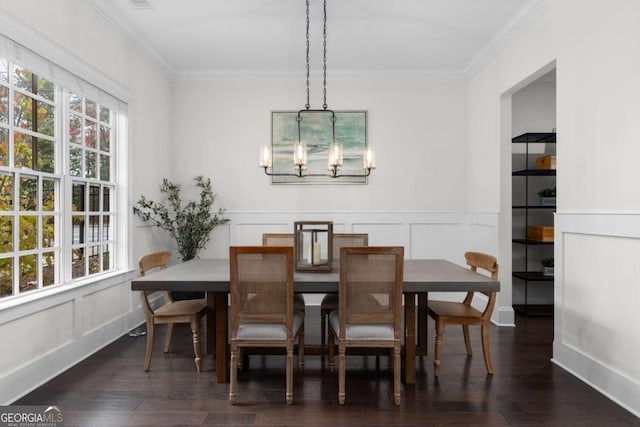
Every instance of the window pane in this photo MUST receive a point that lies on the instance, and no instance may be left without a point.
(4, 71)
(4, 147)
(46, 155)
(106, 228)
(75, 161)
(28, 232)
(23, 150)
(46, 89)
(28, 279)
(105, 135)
(94, 259)
(75, 129)
(94, 229)
(105, 170)
(106, 199)
(6, 234)
(90, 132)
(48, 231)
(78, 197)
(77, 268)
(22, 111)
(75, 102)
(6, 277)
(105, 114)
(23, 78)
(6, 192)
(28, 193)
(94, 198)
(48, 195)
(90, 108)
(49, 268)
(91, 166)
(4, 104)
(78, 229)
(106, 258)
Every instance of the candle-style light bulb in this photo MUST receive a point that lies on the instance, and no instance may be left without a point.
(300, 155)
(265, 157)
(369, 161)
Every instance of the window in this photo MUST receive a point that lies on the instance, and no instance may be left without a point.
(57, 183)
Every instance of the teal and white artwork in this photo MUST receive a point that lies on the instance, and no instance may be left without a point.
(315, 132)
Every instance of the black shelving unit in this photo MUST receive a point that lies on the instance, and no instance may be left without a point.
(524, 274)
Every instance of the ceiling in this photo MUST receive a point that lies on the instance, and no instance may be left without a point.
(421, 37)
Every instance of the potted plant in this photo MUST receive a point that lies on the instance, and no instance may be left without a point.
(190, 225)
(547, 196)
(547, 266)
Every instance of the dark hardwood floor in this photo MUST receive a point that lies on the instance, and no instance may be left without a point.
(111, 389)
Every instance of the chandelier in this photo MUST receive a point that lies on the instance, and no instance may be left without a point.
(335, 155)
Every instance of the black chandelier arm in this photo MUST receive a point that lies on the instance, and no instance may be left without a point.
(333, 174)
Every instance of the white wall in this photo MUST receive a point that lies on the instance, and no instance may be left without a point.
(43, 337)
(416, 127)
(596, 54)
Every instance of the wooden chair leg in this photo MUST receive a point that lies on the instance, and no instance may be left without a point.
(484, 331)
(324, 318)
(301, 349)
(150, 335)
(289, 374)
(233, 374)
(332, 349)
(195, 331)
(341, 371)
(467, 341)
(167, 341)
(438, 350)
(396, 374)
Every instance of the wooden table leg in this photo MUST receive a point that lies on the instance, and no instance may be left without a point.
(210, 339)
(221, 328)
(423, 334)
(409, 338)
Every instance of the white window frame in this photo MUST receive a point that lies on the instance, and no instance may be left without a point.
(120, 218)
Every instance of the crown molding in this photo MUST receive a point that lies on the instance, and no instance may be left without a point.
(506, 37)
(134, 39)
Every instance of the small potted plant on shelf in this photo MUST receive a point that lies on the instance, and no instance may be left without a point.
(547, 266)
(547, 196)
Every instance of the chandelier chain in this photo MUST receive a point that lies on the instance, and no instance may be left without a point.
(308, 104)
(324, 65)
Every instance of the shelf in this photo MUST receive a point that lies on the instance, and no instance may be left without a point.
(534, 172)
(532, 137)
(534, 310)
(532, 276)
(531, 242)
(533, 207)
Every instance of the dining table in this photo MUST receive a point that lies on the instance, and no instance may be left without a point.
(421, 276)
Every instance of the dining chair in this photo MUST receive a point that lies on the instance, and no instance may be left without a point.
(463, 313)
(330, 301)
(170, 312)
(262, 309)
(284, 239)
(369, 310)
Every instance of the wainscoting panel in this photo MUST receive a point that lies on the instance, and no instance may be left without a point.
(597, 288)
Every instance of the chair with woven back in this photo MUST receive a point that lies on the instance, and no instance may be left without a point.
(463, 313)
(169, 313)
(284, 239)
(370, 308)
(262, 307)
(330, 301)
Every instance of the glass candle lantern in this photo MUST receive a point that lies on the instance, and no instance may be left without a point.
(313, 245)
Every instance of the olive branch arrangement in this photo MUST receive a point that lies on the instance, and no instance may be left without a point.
(190, 225)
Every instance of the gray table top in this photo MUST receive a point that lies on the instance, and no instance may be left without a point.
(420, 275)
